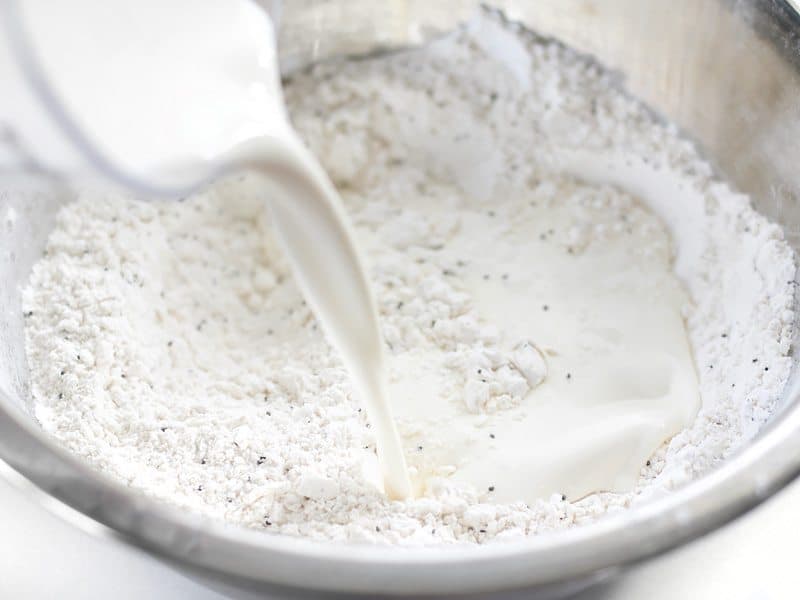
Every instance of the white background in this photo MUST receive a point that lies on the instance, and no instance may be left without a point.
(43, 558)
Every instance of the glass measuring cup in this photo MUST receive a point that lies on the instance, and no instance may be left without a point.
(71, 106)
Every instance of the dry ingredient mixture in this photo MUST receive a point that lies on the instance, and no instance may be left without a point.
(169, 347)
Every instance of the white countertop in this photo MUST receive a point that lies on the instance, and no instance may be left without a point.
(42, 558)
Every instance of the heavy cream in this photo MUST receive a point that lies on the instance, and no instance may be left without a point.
(170, 94)
(596, 296)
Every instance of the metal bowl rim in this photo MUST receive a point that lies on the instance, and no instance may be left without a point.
(739, 484)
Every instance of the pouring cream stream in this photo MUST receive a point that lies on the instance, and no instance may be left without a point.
(166, 95)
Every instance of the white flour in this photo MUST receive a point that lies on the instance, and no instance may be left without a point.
(169, 347)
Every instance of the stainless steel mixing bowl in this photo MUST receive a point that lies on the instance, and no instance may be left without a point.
(727, 71)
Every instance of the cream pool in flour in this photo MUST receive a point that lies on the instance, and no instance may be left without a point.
(610, 373)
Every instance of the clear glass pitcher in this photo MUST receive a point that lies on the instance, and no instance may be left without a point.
(70, 104)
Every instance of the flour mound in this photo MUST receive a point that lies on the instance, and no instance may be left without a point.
(170, 348)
